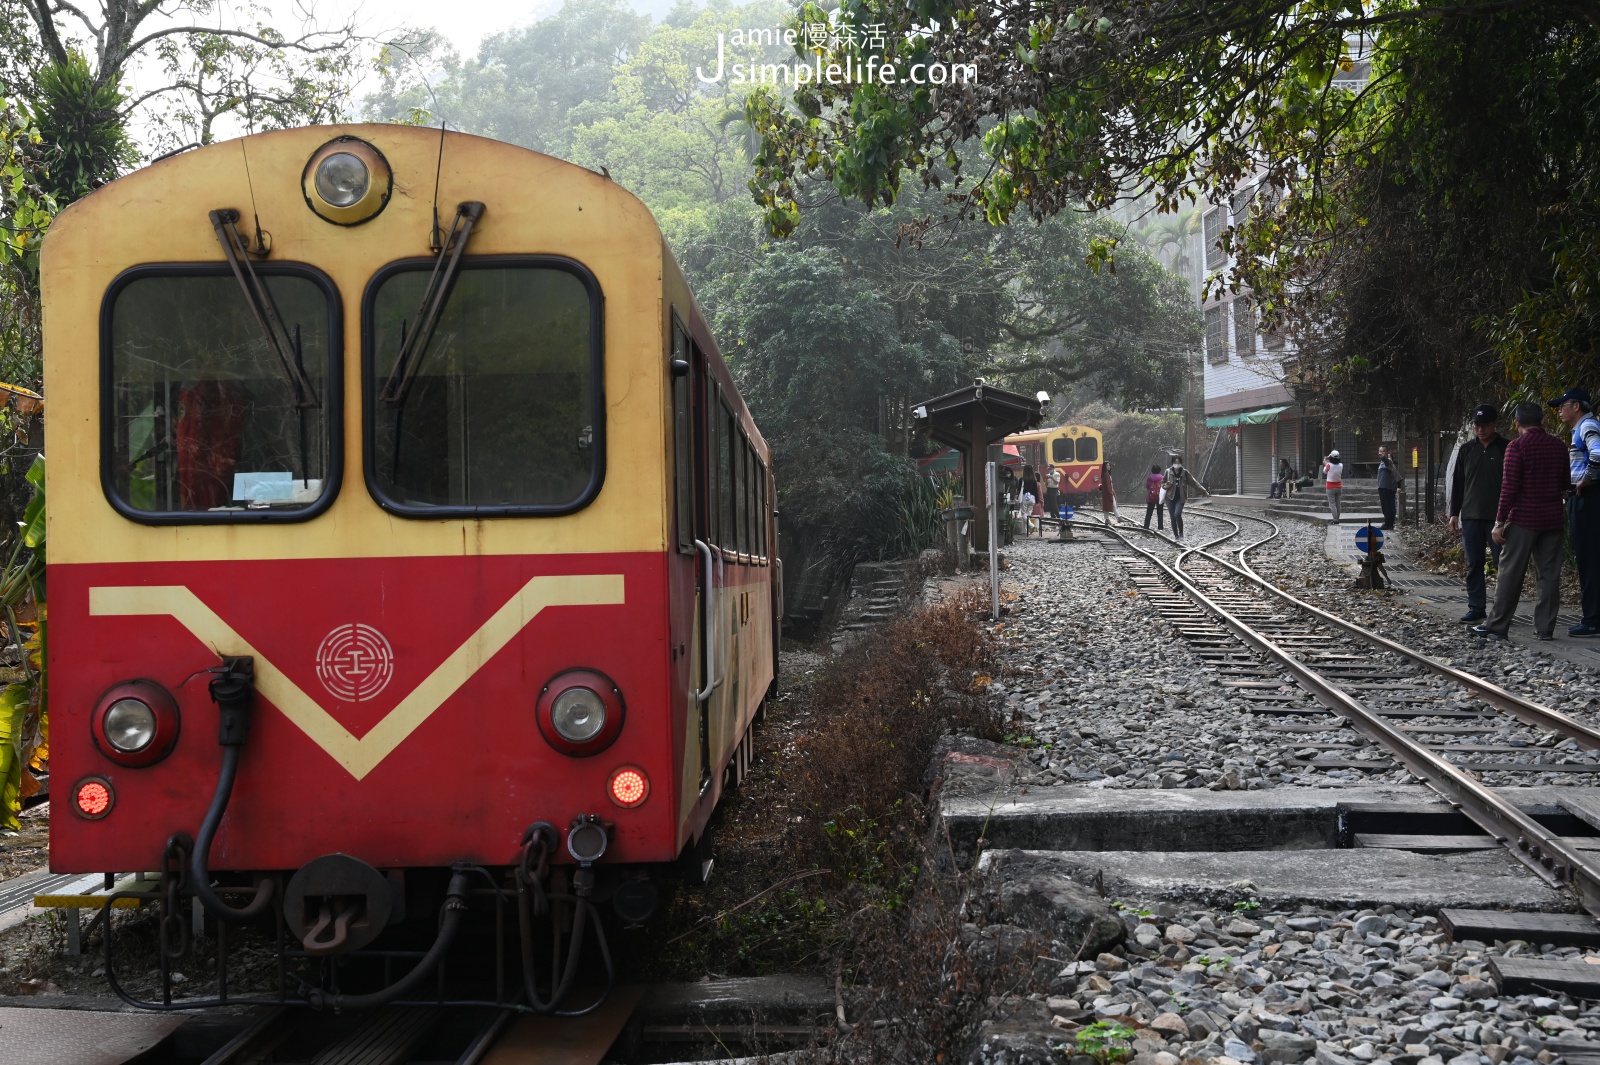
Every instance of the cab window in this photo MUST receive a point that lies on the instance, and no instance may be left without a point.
(1088, 449)
(205, 420)
(500, 410)
(1061, 449)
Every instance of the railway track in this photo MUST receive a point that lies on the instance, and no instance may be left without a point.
(1391, 704)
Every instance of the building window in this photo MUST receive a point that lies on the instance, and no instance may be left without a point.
(1244, 328)
(1216, 258)
(1216, 340)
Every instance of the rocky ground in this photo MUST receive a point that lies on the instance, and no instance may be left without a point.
(1103, 695)
(1110, 697)
(1250, 987)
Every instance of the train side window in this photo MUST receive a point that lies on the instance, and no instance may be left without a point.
(203, 421)
(502, 412)
(762, 516)
(1061, 449)
(729, 540)
(682, 442)
(741, 502)
(1088, 449)
(755, 501)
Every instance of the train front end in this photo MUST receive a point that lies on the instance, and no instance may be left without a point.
(352, 594)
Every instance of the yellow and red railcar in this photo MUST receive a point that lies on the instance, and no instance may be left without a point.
(1077, 451)
(406, 460)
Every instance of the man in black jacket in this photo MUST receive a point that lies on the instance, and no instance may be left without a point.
(1474, 495)
(1388, 481)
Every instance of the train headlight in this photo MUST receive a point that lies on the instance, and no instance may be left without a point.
(580, 712)
(130, 725)
(347, 181)
(578, 715)
(135, 723)
(342, 179)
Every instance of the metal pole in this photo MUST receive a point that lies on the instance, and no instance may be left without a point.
(992, 483)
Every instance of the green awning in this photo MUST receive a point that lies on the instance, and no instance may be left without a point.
(1253, 417)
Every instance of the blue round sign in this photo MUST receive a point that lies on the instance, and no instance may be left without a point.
(1365, 545)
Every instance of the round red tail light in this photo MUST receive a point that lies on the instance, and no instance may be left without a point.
(628, 787)
(93, 797)
(135, 723)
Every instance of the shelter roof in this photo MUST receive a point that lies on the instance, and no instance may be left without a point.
(952, 417)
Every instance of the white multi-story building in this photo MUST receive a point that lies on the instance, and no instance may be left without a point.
(1249, 375)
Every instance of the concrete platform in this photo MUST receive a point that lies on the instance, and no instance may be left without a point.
(1197, 819)
(1340, 879)
(40, 1036)
(1169, 819)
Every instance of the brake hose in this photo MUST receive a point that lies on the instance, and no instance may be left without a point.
(534, 900)
(233, 690)
(455, 905)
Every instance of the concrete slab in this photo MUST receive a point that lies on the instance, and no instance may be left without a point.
(1197, 819)
(1176, 819)
(1278, 879)
(80, 1038)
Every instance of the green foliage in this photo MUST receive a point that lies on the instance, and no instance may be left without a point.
(1246, 906)
(79, 119)
(24, 711)
(1107, 1042)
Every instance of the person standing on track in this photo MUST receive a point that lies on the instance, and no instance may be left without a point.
(1152, 498)
(1176, 480)
(1528, 522)
(1052, 492)
(1388, 481)
(1474, 495)
(1333, 482)
(1583, 505)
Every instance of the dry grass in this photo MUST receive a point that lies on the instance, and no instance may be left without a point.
(820, 851)
(1438, 550)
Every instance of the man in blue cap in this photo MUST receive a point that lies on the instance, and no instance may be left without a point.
(1583, 505)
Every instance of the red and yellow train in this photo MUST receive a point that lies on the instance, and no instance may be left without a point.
(404, 520)
(1076, 451)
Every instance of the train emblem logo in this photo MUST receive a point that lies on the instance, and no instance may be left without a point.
(355, 662)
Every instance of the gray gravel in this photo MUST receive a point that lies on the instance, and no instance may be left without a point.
(1110, 697)
(1354, 986)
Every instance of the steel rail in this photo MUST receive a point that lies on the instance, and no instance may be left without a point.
(1530, 842)
(1524, 710)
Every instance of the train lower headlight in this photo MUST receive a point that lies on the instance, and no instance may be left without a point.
(578, 715)
(93, 797)
(135, 723)
(130, 726)
(580, 712)
(342, 179)
(628, 787)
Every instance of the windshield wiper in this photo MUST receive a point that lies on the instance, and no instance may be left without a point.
(440, 282)
(256, 294)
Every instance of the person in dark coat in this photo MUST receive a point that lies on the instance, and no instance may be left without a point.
(1474, 495)
(1529, 524)
(1388, 481)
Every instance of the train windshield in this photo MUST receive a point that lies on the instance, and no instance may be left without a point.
(1061, 449)
(204, 419)
(1088, 449)
(500, 412)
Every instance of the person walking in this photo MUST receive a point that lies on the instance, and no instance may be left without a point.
(1583, 505)
(1528, 524)
(1388, 481)
(1177, 480)
(1152, 498)
(1333, 482)
(1474, 497)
